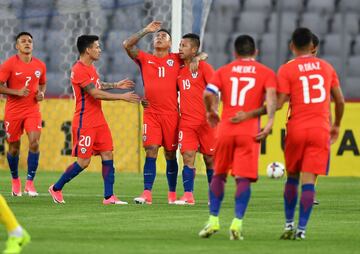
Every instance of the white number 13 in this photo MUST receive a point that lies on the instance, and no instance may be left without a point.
(318, 86)
(235, 87)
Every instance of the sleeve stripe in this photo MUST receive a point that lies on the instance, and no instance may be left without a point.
(212, 88)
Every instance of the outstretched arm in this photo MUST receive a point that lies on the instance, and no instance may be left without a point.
(242, 115)
(130, 43)
(106, 96)
(339, 112)
(122, 84)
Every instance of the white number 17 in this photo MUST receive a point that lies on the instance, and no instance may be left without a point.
(235, 87)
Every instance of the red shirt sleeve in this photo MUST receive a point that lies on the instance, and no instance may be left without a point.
(81, 78)
(5, 71)
(271, 81)
(335, 79)
(215, 83)
(42, 79)
(283, 81)
(141, 57)
(208, 72)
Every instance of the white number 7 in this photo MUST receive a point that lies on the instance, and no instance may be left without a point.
(27, 81)
(243, 91)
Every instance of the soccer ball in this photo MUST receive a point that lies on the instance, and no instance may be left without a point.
(275, 170)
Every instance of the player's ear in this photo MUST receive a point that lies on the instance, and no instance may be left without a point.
(256, 53)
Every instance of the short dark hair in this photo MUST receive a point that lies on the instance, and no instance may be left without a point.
(194, 38)
(302, 37)
(164, 30)
(244, 45)
(315, 40)
(21, 34)
(85, 41)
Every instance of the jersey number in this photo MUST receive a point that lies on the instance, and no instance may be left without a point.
(27, 81)
(85, 141)
(318, 86)
(161, 72)
(186, 84)
(236, 97)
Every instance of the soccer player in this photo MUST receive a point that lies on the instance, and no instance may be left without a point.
(18, 237)
(314, 51)
(308, 82)
(25, 78)
(194, 131)
(159, 71)
(91, 134)
(243, 84)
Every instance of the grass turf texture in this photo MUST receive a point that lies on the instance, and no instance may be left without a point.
(84, 225)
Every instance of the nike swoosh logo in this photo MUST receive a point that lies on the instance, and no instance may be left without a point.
(151, 62)
(212, 149)
(92, 78)
(18, 73)
(39, 126)
(173, 145)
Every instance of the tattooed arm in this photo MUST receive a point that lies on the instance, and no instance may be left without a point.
(122, 84)
(129, 43)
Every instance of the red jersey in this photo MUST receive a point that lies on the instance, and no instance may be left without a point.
(242, 84)
(88, 112)
(18, 74)
(308, 80)
(159, 77)
(191, 87)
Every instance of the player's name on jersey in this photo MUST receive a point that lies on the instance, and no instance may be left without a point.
(309, 67)
(244, 69)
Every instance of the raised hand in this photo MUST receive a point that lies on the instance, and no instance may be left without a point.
(153, 26)
(125, 84)
(130, 97)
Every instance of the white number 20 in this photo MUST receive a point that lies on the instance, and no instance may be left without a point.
(318, 86)
(235, 90)
(85, 141)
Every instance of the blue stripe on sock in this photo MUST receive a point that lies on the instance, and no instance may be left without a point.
(290, 198)
(242, 197)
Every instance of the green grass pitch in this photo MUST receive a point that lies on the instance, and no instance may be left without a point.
(84, 225)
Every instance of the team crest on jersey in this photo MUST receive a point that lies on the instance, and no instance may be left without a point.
(195, 75)
(170, 62)
(83, 150)
(37, 74)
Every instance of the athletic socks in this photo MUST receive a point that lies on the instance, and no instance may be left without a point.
(242, 196)
(13, 165)
(171, 174)
(72, 171)
(209, 174)
(108, 172)
(216, 193)
(188, 175)
(306, 204)
(290, 198)
(149, 173)
(32, 161)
